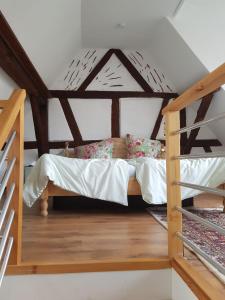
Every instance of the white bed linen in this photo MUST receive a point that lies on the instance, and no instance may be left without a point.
(151, 175)
(104, 179)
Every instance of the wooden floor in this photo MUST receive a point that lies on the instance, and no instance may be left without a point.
(92, 236)
(88, 240)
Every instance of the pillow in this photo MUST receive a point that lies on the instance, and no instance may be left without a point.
(101, 149)
(142, 147)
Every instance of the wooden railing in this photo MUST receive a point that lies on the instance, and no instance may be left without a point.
(11, 184)
(202, 88)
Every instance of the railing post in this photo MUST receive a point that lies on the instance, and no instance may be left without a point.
(17, 150)
(174, 218)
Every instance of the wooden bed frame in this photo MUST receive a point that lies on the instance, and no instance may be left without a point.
(119, 151)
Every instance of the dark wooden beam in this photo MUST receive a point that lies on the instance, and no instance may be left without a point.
(30, 145)
(183, 123)
(115, 118)
(132, 70)
(108, 94)
(40, 118)
(96, 70)
(159, 120)
(201, 113)
(15, 71)
(15, 62)
(16, 51)
(207, 149)
(206, 143)
(71, 121)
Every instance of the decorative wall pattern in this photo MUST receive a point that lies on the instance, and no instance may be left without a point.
(114, 75)
(78, 69)
(149, 70)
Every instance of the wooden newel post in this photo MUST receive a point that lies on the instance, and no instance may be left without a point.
(175, 246)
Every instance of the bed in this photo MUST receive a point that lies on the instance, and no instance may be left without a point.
(119, 151)
(114, 179)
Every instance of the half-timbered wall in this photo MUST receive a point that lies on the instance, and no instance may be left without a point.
(137, 115)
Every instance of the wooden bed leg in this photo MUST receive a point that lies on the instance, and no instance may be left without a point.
(44, 203)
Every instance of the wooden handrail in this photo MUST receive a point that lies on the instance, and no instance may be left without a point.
(205, 86)
(12, 120)
(9, 113)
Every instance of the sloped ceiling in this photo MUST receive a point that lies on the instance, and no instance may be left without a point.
(50, 31)
(53, 31)
(101, 19)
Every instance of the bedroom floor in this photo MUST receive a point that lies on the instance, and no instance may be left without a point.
(86, 235)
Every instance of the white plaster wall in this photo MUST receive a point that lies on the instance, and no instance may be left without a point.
(49, 31)
(207, 45)
(127, 285)
(179, 288)
(137, 116)
(175, 56)
(201, 23)
(7, 85)
(184, 68)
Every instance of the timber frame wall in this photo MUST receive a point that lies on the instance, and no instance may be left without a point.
(15, 62)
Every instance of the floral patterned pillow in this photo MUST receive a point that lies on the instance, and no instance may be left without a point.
(142, 147)
(102, 149)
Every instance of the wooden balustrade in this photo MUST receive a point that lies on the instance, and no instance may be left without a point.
(204, 87)
(12, 119)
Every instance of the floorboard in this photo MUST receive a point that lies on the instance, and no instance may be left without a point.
(92, 236)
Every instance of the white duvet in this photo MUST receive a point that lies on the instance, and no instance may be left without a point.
(151, 175)
(108, 179)
(96, 178)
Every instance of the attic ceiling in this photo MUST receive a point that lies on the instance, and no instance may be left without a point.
(53, 31)
(122, 23)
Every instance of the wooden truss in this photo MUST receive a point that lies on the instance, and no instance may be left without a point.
(15, 62)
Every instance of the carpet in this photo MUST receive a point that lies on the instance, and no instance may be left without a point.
(206, 239)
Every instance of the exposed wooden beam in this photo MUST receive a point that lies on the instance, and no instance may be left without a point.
(40, 118)
(15, 62)
(201, 113)
(115, 118)
(206, 143)
(159, 120)
(183, 123)
(96, 70)
(207, 149)
(108, 94)
(132, 70)
(71, 121)
(11, 66)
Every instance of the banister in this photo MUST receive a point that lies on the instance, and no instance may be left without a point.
(205, 86)
(9, 114)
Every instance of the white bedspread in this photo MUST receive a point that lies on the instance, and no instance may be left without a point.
(151, 175)
(95, 178)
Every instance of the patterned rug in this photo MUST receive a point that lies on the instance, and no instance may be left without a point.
(206, 239)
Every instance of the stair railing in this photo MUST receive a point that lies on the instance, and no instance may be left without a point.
(11, 179)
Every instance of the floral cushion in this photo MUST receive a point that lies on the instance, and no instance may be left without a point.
(102, 149)
(142, 147)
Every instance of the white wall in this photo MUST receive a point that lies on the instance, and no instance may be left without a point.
(179, 288)
(137, 116)
(49, 31)
(201, 23)
(7, 85)
(184, 68)
(132, 285)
